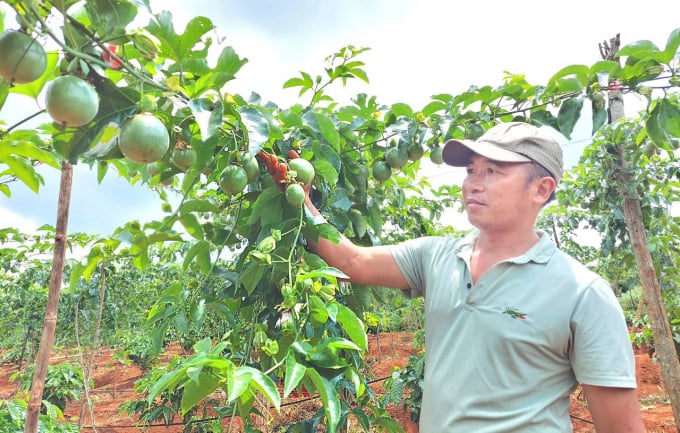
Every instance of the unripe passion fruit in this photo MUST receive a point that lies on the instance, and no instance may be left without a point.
(233, 179)
(436, 155)
(381, 171)
(295, 194)
(304, 170)
(183, 158)
(396, 157)
(71, 101)
(22, 58)
(250, 166)
(415, 151)
(143, 138)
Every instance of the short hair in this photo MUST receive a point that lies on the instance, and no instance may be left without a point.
(537, 171)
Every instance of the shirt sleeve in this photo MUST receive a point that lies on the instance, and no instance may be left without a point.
(412, 257)
(601, 352)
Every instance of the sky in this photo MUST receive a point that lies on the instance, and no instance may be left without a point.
(417, 49)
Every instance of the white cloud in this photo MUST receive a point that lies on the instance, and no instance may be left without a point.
(12, 219)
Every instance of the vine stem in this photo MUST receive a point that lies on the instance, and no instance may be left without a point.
(90, 58)
(21, 122)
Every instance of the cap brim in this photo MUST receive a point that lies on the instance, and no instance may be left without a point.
(458, 152)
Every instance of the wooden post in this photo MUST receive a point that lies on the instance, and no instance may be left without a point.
(50, 323)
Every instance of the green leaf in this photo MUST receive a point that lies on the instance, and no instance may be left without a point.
(265, 385)
(663, 124)
(192, 225)
(110, 18)
(433, 107)
(401, 109)
(569, 113)
(261, 127)
(294, 373)
(329, 232)
(329, 398)
(599, 118)
(353, 326)
(330, 273)
(544, 117)
(178, 47)
(251, 275)
(208, 116)
(245, 377)
(198, 389)
(197, 205)
(324, 169)
(228, 64)
(197, 314)
(198, 249)
(322, 125)
(672, 45)
(24, 171)
(268, 207)
(317, 309)
(579, 71)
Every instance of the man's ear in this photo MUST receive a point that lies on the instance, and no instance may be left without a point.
(544, 188)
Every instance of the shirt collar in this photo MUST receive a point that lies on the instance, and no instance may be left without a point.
(541, 252)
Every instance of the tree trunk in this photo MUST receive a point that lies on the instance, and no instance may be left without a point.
(50, 323)
(664, 345)
(632, 214)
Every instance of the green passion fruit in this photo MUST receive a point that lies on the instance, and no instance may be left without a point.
(71, 101)
(436, 155)
(143, 138)
(22, 58)
(233, 179)
(183, 158)
(250, 165)
(295, 194)
(396, 157)
(381, 171)
(304, 170)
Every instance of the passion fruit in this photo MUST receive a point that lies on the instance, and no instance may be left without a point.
(71, 101)
(381, 171)
(396, 157)
(22, 58)
(415, 151)
(183, 158)
(233, 179)
(304, 170)
(250, 165)
(295, 194)
(143, 138)
(436, 155)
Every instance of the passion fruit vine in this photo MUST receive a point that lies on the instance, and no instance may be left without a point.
(143, 138)
(22, 58)
(71, 101)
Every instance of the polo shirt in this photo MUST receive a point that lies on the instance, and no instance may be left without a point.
(504, 354)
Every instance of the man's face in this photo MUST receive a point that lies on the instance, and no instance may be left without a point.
(496, 194)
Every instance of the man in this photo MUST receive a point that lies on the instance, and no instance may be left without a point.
(512, 324)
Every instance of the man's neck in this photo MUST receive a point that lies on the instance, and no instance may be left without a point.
(506, 244)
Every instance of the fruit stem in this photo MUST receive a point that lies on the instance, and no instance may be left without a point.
(298, 231)
(21, 122)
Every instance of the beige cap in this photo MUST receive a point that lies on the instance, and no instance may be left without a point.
(509, 142)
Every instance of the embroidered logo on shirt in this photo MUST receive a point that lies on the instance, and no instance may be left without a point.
(514, 313)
